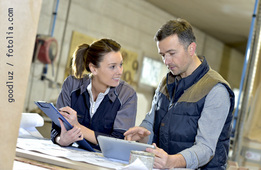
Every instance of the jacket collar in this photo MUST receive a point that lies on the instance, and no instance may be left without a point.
(182, 84)
(113, 93)
(197, 74)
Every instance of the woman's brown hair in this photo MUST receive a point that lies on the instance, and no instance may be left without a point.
(94, 53)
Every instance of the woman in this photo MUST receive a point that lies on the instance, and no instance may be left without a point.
(98, 103)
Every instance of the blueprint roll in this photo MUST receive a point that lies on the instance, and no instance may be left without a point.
(31, 120)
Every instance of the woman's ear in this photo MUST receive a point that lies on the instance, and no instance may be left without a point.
(93, 69)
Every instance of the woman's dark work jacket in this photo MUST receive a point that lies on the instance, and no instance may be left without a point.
(176, 117)
(115, 114)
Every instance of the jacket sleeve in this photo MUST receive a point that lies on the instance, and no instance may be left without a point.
(209, 129)
(148, 121)
(126, 115)
(63, 100)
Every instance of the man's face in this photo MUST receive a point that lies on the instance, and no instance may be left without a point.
(175, 56)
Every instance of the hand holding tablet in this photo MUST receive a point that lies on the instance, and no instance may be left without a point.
(50, 110)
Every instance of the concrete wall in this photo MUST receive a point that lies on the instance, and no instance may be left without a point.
(131, 23)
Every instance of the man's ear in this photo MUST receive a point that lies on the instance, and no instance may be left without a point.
(192, 48)
(93, 69)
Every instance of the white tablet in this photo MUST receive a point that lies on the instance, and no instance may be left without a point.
(119, 148)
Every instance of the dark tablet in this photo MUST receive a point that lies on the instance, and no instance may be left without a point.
(50, 110)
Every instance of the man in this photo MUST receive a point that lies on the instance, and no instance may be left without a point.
(191, 113)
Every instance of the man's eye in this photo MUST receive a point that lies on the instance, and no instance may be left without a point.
(112, 67)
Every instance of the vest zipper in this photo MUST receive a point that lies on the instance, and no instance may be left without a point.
(172, 105)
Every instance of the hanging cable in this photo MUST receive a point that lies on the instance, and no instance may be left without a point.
(62, 41)
(54, 14)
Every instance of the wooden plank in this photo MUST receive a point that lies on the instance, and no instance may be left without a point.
(19, 21)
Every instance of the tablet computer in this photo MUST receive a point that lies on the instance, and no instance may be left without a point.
(118, 148)
(50, 110)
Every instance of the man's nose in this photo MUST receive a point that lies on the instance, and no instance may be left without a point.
(167, 59)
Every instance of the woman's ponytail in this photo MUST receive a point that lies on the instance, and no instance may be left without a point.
(79, 60)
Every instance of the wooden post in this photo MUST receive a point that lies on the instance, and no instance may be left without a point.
(19, 21)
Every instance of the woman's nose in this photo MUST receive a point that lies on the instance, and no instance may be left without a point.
(120, 69)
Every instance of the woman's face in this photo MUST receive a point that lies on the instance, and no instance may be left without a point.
(110, 70)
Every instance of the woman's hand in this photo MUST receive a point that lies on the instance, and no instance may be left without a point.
(79, 131)
(68, 137)
(70, 115)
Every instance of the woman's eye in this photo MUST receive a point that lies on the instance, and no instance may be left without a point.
(112, 67)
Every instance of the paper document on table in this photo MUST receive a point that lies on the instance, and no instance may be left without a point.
(46, 146)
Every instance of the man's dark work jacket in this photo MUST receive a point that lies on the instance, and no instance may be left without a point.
(179, 108)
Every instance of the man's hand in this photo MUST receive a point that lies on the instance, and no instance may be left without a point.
(68, 137)
(137, 134)
(163, 160)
